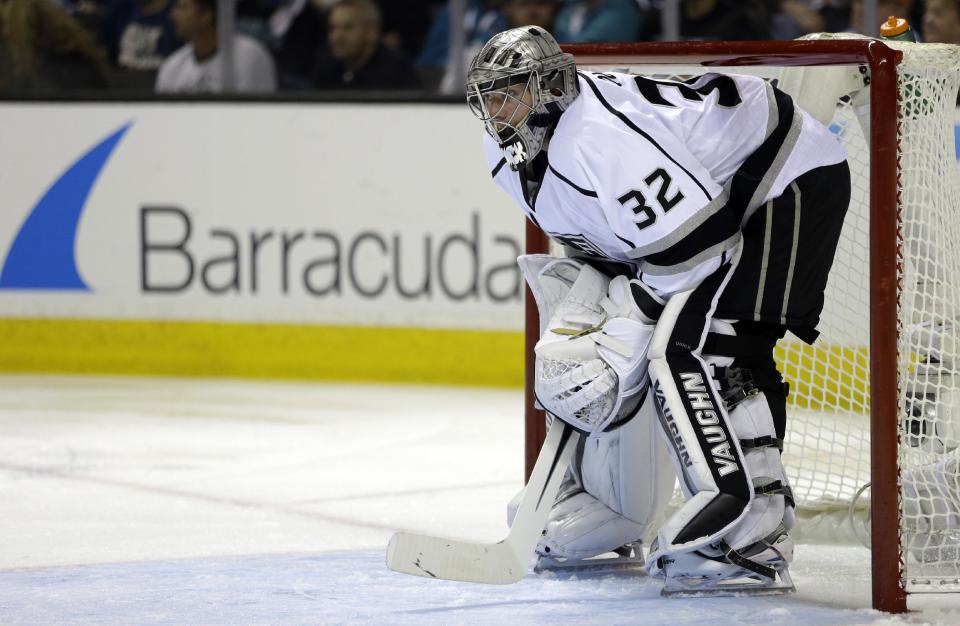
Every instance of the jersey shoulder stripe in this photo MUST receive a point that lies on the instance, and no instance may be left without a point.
(755, 176)
(586, 192)
(496, 170)
(632, 126)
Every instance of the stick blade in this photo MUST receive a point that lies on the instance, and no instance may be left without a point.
(449, 559)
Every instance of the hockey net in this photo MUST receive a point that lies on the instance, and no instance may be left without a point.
(890, 321)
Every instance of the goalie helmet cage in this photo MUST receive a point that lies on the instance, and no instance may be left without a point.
(896, 386)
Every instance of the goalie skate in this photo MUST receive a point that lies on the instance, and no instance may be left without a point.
(763, 570)
(624, 557)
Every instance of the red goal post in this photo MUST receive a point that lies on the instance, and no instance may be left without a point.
(885, 255)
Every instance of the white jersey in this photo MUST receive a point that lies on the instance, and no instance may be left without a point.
(662, 175)
(255, 72)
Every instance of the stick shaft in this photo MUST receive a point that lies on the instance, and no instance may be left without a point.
(498, 563)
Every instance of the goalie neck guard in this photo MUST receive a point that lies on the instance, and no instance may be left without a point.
(518, 84)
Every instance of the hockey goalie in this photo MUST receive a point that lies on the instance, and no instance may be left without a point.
(701, 219)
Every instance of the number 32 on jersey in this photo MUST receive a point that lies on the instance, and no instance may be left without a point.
(658, 189)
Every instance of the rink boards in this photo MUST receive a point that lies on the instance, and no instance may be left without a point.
(336, 241)
(311, 240)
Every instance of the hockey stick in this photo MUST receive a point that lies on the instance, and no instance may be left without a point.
(497, 563)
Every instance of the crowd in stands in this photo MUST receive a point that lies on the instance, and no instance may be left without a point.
(173, 46)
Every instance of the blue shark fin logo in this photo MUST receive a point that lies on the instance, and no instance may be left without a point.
(43, 255)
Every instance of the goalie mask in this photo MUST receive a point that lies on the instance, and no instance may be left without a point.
(518, 84)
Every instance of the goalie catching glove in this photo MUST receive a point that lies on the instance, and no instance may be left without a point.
(591, 360)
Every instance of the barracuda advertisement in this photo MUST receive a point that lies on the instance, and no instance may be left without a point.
(306, 213)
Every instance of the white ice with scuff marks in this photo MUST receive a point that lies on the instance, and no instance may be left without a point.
(164, 501)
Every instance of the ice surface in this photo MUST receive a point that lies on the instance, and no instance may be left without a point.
(164, 501)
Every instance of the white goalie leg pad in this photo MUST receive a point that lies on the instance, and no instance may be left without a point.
(758, 546)
(581, 527)
(752, 421)
(752, 544)
(704, 448)
(625, 483)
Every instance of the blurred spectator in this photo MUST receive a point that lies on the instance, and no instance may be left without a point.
(42, 48)
(941, 21)
(356, 58)
(298, 32)
(482, 19)
(405, 24)
(542, 13)
(511, 14)
(790, 19)
(252, 16)
(724, 20)
(138, 36)
(835, 14)
(885, 8)
(598, 20)
(88, 13)
(197, 66)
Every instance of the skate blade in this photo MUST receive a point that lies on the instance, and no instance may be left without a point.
(676, 588)
(610, 561)
(600, 564)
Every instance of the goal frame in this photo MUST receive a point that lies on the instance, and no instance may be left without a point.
(886, 259)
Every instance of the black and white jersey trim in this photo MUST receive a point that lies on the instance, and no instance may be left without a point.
(650, 305)
(764, 259)
(773, 119)
(694, 222)
(586, 192)
(626, 120)
(720, 227)
(531, 179)
(784, 275)
(756, 175)
(686, 265)
(793, 251)
(582, 244)
(784, 150)
(499, 166)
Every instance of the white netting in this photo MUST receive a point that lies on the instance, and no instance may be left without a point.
(827, 451)
(929, 305)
